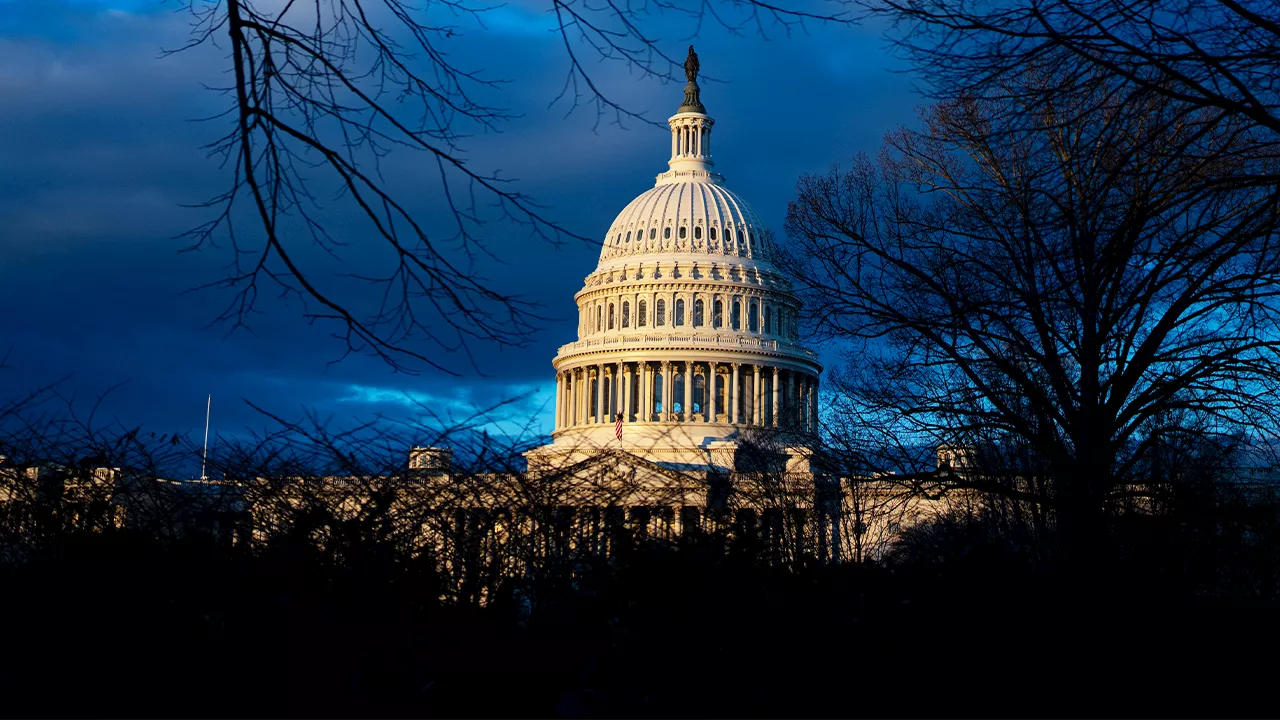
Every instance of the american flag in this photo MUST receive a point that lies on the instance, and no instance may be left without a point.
(617, 427)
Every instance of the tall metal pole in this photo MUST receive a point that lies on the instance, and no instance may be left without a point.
(204, 457)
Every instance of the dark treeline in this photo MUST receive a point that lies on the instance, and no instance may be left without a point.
(185, 604)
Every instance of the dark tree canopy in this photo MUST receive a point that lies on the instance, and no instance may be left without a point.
(1069, 265)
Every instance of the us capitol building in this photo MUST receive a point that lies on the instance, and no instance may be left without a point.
(686, 328)
(686, 404)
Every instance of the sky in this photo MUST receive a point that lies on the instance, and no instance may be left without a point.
(102, 146)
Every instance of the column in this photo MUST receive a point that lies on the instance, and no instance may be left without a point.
(648, 391)
(687, 407)
(711, 392)
(627, 377)
(775, 397)
(792, 402)
(643, 393)
(732, 395)
(620, 379)
(599, 393)
(560, 404)
(666, 391)
(813, 404)
(756, 417)
(578, 405)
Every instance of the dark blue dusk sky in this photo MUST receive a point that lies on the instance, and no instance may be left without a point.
(100, 152)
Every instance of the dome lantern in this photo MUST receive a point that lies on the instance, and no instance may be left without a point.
(690, 134)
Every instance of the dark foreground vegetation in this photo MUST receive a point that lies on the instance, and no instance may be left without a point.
(957, 622)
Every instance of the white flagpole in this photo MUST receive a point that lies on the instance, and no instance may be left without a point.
(204, 457)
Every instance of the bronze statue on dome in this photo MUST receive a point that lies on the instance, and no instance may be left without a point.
(692, 94)
(691, 66)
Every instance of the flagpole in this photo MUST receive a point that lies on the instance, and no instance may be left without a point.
(204, 456)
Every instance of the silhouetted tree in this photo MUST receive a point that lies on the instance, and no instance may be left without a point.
(1047, 279)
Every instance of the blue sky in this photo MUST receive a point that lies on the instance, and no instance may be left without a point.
(102, 152)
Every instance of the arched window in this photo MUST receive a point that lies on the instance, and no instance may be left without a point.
(683, 230)
(713, 233)
(599, 321)
(640, 313)
(677, 391)
(699, 392)
(657, 393)
(717, 314)
(697, 233)
(626, 314)
(679, 320)
(768, 319)
(660, 312)
(735, 313)
(753, 316)
(666, 233)
(610, 316)
(699, 318)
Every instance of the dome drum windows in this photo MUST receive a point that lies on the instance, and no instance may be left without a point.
(660, 313)
(768, 319)
(699, 318)
(717, 314)
(735, 313)
(610, 316)
(683, 232)
(626, 314)
(753, 316)
(678, 321)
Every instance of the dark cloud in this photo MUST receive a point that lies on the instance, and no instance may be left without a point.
(101, 153)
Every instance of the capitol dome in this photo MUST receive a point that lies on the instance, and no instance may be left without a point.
(703, 218)
(687, 337)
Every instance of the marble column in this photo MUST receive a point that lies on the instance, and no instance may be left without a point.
(756, 395)
(667, 394)
(813, 404)
(774, 388)
(686, 409)
(711, 392)
(732, 395)
(599, 406)
(644, 395)
(627, 378)
(792, 402)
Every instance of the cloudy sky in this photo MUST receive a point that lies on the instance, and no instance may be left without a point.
(103, 153)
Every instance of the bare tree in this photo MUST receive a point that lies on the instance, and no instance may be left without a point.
(322, 91)
(1044, 278)
(1216, 55)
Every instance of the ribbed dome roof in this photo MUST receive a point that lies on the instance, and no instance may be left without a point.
(698, 217)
